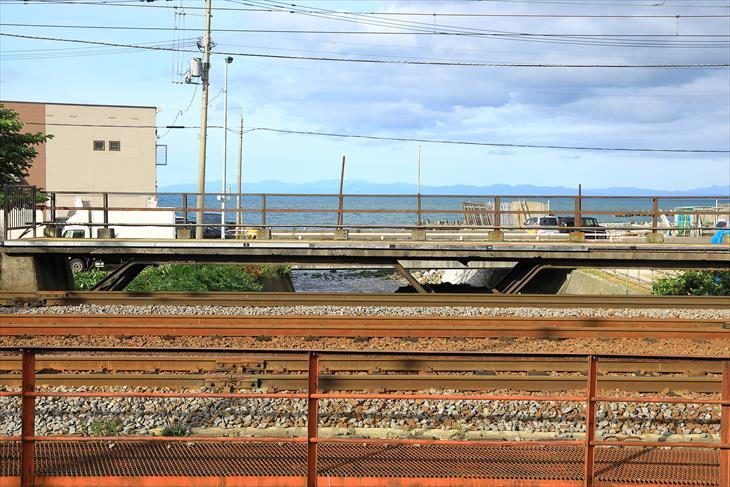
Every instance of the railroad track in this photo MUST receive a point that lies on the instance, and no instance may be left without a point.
(385, 383)
(329, 326)
(285, 363)
(358, 373)
(64, 298)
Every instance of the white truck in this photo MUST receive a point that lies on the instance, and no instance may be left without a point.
(150, 224)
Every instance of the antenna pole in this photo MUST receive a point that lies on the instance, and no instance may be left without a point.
(199, 228)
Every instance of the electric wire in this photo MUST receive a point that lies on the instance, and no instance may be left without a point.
(379, 61)
(401, 139)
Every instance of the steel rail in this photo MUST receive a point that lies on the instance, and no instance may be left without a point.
(281, 363)
(385, 383)
(329, 326)
(69, 298)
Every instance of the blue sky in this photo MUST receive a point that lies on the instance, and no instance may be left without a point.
(659, 108)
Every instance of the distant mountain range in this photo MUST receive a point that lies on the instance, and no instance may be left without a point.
(367, 187)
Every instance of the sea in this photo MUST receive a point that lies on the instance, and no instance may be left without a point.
(311, 211)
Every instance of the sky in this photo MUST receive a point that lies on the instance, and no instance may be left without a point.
(498, 75)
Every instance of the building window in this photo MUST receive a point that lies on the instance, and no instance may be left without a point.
(115, 145)
(98, 145)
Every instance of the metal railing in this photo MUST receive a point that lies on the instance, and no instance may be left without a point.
(18, 209)
(313, 396)
(678, 215)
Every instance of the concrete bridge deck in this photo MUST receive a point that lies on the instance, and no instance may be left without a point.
(670, 254)
(42, 264)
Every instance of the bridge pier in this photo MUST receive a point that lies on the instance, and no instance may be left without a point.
(31, 273)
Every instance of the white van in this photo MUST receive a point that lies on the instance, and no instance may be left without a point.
(543, 225)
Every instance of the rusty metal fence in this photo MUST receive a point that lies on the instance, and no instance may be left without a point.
(314, 395)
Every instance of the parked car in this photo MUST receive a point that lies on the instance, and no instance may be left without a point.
(589, 226)
(212, 227)
(543, 225)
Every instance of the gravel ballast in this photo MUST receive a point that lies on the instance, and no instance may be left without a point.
(394, 311)
(562, 419)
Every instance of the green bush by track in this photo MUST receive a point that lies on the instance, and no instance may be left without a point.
(694, 283)
(189, 278)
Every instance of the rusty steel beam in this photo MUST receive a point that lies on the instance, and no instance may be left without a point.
(387, 382)
(590, 453)
(66, 298)
(403, 272)
(274, 363)
(27, 459)
(725, 426)
(312, 420)
(328, 326)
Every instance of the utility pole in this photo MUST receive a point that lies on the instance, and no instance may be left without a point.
(239, 216)
(229, 60)
(418, 187)
(204, 78)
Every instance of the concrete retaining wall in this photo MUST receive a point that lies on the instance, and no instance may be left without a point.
(35, 273)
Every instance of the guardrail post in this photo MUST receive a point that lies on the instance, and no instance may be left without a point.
(590, 452)
(654, 214)
(725, 425)
(185, 208)
(312, 419)
(27, 459)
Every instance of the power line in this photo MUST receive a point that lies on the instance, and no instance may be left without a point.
(394, 139)
(291, 31)
(140, 4)
(378, 61)
(487, 144)
(429, 29)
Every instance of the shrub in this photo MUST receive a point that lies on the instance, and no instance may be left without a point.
(183, 277)
(86, 280)
(194, 278)
(694, 283)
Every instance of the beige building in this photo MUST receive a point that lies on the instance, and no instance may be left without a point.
(94, 149)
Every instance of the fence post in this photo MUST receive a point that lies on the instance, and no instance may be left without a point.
(105, 199)
(590, 452)
(263, 210)
(725, 426)
(654, 214)
(27, 461)
(312, 419)
(6, 213)
(53, 208)
(33, 208)
(578, 218)
(497, 213)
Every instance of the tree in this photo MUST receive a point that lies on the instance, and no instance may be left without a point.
(17, 148)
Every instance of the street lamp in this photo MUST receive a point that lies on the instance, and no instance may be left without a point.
(228, 60)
